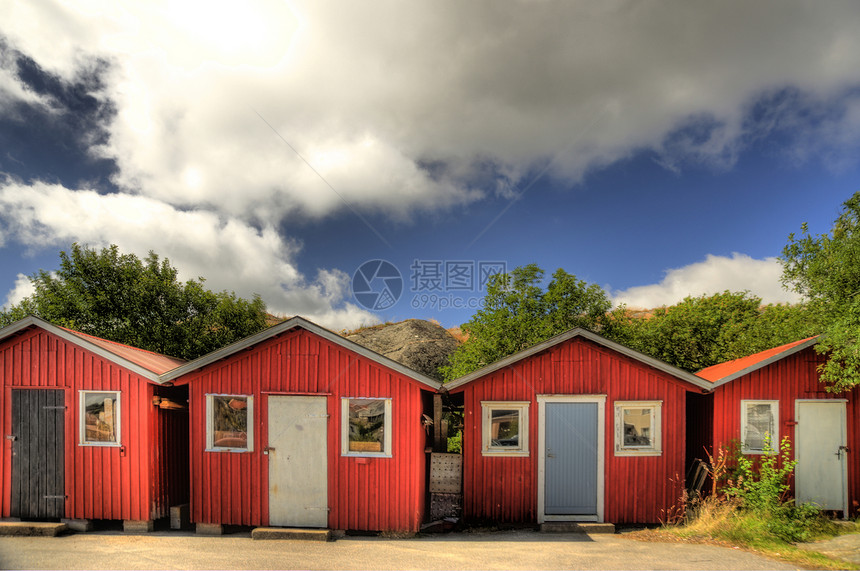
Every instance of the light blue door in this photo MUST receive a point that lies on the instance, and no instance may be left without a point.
(571, 459)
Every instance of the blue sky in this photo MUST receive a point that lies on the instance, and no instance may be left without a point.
(658, 149)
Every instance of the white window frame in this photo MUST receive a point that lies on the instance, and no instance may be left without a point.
(344, 429)
(487, 448)
(656, 446)
(210, 423)
(774, 438)
(82, 415)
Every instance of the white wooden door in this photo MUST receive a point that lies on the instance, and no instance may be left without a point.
(298, 466)
(821, 471)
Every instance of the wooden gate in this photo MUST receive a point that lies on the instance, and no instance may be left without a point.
(38, 432)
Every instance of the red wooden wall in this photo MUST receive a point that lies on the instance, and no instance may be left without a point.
(364, 493)
(101, 482)
(636, 488)
(794, 377)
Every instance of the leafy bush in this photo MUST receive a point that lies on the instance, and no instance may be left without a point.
(799, 523)
(750, 500)
(455, 443)
(761, 485)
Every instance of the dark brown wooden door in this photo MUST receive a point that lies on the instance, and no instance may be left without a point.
(38, 428)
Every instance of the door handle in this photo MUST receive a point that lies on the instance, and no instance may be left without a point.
(842, 449)
(267, 449)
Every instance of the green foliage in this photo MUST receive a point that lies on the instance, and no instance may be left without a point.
(693, 334)
(518, 313)
(138, 302)
(748, 508)
(455, 443)
(702, 331)
(761, 482)
(825, 269)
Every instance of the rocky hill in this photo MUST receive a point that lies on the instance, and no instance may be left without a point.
(418, 344)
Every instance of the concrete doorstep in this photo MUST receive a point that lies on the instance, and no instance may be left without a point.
(576, 527)
(32, 528)
(291, 533)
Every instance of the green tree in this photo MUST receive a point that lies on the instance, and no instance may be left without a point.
(518, 313)
(702, 331)
(138, 302)
(825, 269)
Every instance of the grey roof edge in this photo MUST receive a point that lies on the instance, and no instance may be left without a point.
(590, 335)
(761, 364)
(284, 326)
(32, 320)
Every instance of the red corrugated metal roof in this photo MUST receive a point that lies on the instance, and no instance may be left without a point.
(730, 369)
(150, 361)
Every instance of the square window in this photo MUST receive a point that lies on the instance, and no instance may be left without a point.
(637, 428)
(759, 426)
(505, 428)
(99, 418)
(366, 427)
(229, 423)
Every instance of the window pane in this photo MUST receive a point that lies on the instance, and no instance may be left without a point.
(231, 422)
(100, 417)
(637, 426)
(759, 425)
(505, 428)
(366, 425)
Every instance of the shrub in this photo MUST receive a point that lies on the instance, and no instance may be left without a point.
(757, 489)
(761, 485)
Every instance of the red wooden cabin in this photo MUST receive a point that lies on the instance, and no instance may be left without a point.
(577, 428)
(776, 394)
(297, 426)
(84, 435)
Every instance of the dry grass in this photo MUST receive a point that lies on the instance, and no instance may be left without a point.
(720, 521)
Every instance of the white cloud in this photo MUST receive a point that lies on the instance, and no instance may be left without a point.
(368, 92)
(713, 275)
(23, 288)
(212, 98)
(230, 254)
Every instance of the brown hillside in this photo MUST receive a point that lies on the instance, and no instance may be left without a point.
(418, 344)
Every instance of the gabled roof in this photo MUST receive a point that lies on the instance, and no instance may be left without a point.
(294, 323)
(723, 373)
(147, 364)
(586, 334)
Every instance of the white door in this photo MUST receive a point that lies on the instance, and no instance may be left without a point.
(821, 471)
(298, 467)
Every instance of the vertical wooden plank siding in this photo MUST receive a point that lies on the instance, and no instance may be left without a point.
(636, 488)
(102, 482)
(364, 493)
(794, 377)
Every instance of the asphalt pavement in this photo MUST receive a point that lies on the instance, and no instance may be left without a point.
(521, 549)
